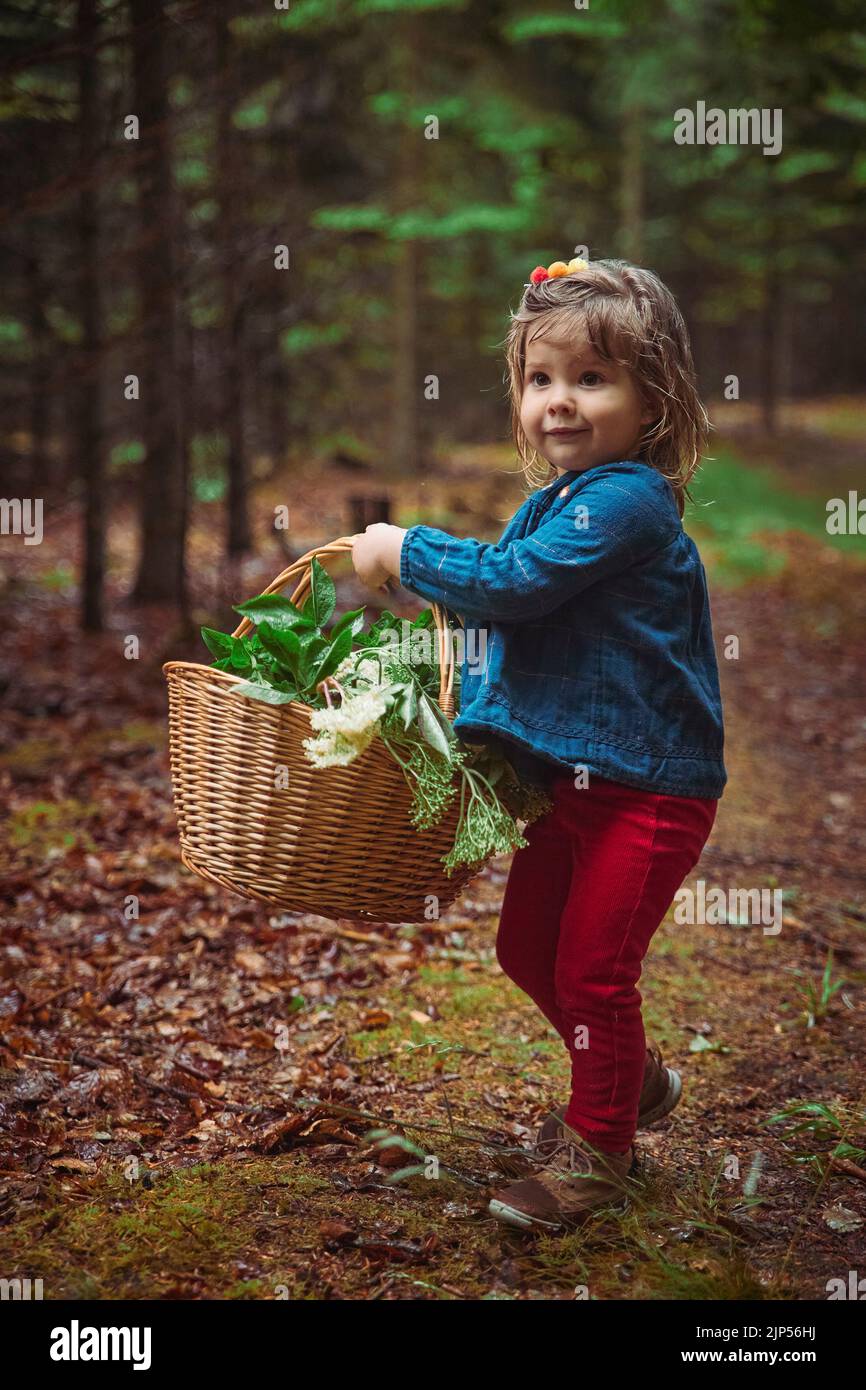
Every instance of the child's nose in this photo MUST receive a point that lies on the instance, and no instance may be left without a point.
(561, 398)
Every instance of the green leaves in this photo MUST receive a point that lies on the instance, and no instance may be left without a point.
(289, 654)
(330, 659)
(240, 655)
(322, 597)
(217, 642)
(283, 616)
(353, 620)
(386, 622)
(279, 611)
(435, 726)
(283, 644)
(269, 694)
(406, 704)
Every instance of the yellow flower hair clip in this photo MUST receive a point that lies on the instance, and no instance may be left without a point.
(558, 268)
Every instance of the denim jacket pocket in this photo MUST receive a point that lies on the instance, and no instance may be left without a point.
(559, 692)
(633, 711)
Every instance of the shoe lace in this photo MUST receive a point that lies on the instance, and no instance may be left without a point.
(567, 1153)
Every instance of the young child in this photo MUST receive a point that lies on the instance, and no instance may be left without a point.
(600, 683)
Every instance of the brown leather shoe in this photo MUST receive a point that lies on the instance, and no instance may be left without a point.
(661, 1091)
(576, 1180)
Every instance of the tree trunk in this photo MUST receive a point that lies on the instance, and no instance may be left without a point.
(161, 573)
(769, 346)
(185, 425)
(632, 184)
(90, 462)
(40, 465)
(276, 417)
(403, 458)
(366, 511)
(238, 539)
(770, 311)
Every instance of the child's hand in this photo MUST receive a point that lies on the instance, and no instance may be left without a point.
(376, 554)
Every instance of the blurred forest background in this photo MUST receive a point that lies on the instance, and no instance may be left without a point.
(283, 220)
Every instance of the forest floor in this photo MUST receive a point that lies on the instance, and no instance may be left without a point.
(156, 1143)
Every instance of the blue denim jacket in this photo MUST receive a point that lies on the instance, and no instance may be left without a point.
(593, 619)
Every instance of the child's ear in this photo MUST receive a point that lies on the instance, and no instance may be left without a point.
(650, 414)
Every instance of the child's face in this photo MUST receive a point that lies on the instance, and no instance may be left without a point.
(568, 387)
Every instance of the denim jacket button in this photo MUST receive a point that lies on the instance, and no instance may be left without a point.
(563, 491)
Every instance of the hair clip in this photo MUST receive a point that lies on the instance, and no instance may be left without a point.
(558, 268)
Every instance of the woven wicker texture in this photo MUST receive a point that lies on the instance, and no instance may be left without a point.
(334, 841)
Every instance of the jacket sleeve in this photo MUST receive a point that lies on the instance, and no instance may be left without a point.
(610, 524)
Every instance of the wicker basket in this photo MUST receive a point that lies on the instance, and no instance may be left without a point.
(336, 841)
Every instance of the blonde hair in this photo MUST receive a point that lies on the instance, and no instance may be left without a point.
(630, 317)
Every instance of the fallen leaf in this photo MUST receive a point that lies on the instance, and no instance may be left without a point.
(376, 1018)
(73, 1165)
(252, 962)
(336, 1230)
(842, 1218)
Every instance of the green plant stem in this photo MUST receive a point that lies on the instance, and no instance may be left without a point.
(403, 762)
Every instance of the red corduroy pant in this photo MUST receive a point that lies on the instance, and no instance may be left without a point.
(581, 905)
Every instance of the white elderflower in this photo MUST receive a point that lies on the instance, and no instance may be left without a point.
(325, 752)
(353, 716)
(345, 730)
(367, 668)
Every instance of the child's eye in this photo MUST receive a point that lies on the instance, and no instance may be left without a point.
(536, 375)
(596, 375)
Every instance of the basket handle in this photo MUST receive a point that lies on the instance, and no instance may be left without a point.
(302, 569)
